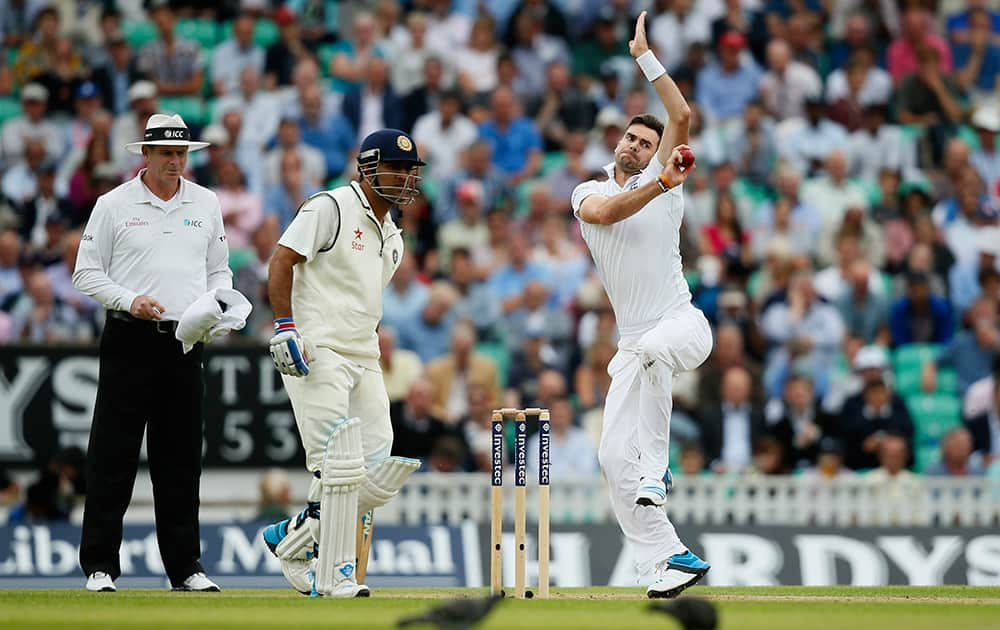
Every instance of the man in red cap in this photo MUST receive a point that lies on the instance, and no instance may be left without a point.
(727, 85)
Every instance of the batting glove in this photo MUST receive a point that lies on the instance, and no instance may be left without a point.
(288, 348)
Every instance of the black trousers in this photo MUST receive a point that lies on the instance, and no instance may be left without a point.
(145, 383)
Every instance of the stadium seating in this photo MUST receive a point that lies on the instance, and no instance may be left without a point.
(913, 355)
(907, 381)
(499, 353)
(139, 32)
(325, 53)
(204, 32)
(265, 32)
(933, 416)
(190, 108)
(9, 108)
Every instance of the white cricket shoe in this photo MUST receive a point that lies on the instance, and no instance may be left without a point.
(677, 573)
(348, 589)
(300, 574)
(651, 492)
(100, 582)
(654, 492)
(198, 582)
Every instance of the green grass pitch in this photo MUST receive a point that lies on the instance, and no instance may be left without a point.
(764, 608)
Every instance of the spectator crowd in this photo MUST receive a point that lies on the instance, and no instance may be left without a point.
(841, 232)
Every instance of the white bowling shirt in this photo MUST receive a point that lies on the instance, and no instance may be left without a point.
(138, 244)
(350, 258)
(638, 259)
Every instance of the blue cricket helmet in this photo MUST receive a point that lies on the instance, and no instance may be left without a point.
(390, 146)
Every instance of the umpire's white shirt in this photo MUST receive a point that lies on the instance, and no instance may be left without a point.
(138, 244)
(638, 259)
(350, 258)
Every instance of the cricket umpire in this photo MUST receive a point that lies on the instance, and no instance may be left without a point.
(152, 246)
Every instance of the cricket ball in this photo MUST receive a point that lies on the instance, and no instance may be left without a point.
(687, 158)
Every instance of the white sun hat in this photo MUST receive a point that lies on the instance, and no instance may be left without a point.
(165, 131)
(987, 117)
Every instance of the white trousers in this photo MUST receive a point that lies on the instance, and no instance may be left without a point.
(335, 388)
(635, 436)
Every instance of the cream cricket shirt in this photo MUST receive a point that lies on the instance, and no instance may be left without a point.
(138, 244)
(350, 258)
(638, 259)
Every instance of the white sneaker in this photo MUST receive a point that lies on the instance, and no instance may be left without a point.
(198, 582)
(348, 589)
(300, 574)
(677, 573)
(101, 582)
(651, 492)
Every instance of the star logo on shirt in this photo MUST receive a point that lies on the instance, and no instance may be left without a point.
(357, 234)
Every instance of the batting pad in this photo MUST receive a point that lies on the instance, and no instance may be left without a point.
(301, 534)
(384, 482)
(342, 473)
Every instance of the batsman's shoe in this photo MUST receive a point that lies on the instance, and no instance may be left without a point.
(100, 582)
(301, 572)
(300, 575)
(198, 582)
(274, 534)
(347, 586)
(675, 574)
(652, 491)
(346, 590)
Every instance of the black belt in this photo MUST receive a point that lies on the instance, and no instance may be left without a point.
(164, 326)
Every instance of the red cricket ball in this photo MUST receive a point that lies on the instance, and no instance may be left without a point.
(687, 158)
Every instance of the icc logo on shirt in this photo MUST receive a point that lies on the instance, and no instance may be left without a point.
(192, 223)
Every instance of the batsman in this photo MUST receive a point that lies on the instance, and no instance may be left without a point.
(325, 283)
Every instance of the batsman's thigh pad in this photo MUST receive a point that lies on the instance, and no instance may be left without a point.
(320, 404)
(370, 402)
(384, 481)
(343, 471)
(301, 535)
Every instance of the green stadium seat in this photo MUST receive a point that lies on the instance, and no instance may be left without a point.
(431, 187)
(926, 456)
(325, 53)
(947, 381)
(204, 32)
(914, 355)
(552, 160)
(907, 381)
(934, 415)
(499, 353)
(265, 32)
(210, 105)
(240, 258)
(139, 32)
(190, 108)
(968, 135)
(912, 132)
(10, 107)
